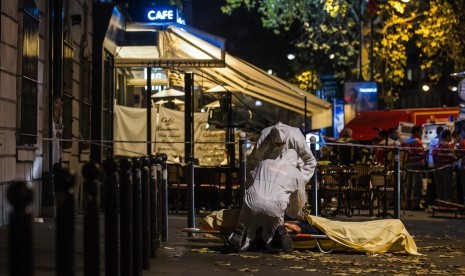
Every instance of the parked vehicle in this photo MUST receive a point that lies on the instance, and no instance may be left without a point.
(366, 125)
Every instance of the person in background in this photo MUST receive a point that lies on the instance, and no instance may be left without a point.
(379, 151)
(414, 164)
(431, 186)
(277, 189)
(444, 158)
(456, 175)
(347, 154)
(461, 168)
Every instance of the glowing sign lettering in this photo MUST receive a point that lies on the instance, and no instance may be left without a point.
(162, 15)
(368, 90)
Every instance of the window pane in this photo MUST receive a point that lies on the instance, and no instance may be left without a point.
(28, 112)
(68, 53)
(30, 58)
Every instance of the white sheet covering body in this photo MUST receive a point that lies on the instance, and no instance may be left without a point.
(292, 137)
(278, 187)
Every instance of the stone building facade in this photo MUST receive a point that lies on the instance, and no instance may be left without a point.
(45, 94)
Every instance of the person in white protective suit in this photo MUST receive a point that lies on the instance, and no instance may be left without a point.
(277, 188)
(275, 140)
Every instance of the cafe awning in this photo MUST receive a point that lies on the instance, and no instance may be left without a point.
(187, 49)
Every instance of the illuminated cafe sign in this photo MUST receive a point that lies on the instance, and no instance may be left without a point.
(163, 15)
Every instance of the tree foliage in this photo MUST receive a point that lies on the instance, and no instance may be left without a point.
(320, 28)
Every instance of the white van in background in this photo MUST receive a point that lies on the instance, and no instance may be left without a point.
(429, 132)
(405, 130)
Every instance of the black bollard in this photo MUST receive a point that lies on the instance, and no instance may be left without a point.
(190, 192)
(153, 207)
(111, 189)
(65, 221)
(90, 171)
(164, 215)
(137, 215)
(242, 166)
(160, 183)
(314, 183)
(145, 189)
(126, 209)
(20, 230)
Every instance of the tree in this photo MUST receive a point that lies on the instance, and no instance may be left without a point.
(332, 27)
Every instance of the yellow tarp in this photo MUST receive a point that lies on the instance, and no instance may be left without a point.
(377, 236)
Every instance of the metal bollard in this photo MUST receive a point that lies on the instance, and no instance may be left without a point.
(153, 207)
(242, 166)
(20, 230)
(145, 189)
(65, 221)
(159, 199)
(137, 215)
(126, 207)
(164, 215)
(314, 202)
(190, 193)
(111, 202)
(90, 171)
(397, 180)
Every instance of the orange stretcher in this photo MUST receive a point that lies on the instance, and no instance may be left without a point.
(295, 237)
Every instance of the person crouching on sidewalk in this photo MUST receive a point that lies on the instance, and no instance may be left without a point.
(277, 189)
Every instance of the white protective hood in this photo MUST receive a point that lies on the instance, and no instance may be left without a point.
(265, 148)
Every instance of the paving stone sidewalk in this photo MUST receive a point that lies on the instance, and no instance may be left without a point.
(441, 240)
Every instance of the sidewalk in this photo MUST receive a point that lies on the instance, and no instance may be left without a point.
(441, 240)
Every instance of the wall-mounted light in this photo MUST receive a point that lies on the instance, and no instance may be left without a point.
(76, 19)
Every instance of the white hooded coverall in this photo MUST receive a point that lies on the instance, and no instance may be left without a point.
(278, 187)
(290, 138)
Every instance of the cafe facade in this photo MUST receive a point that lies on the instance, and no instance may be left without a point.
(63, 77)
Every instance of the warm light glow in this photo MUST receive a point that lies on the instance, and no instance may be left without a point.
(331, 56)
(270, 71)
(405, 1)
(290, 56)
(425, 87)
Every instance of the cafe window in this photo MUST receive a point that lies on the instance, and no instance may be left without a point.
(68, 54)
(29, 73)
(85, 95)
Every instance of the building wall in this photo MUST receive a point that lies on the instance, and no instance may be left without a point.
(30, 163)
